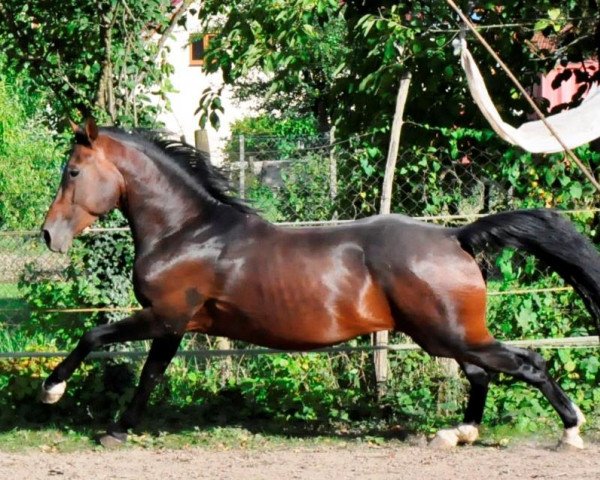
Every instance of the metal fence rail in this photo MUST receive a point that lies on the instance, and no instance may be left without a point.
(546, 343)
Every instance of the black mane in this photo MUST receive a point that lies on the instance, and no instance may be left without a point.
(192, 161)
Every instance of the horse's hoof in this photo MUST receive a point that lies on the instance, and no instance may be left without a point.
(52, 394)
(467, 433)
(449, 438)
(113, 440)
(444, 439)
(570, 446)
(571, 441)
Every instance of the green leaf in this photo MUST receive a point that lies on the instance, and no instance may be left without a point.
(570, 366)
(215, 121)
(576, 190)
(554, 13)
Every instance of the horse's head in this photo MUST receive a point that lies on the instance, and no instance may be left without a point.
(91, 186)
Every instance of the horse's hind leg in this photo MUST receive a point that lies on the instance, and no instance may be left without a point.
(468, 431)
(479, 380)
(530, 367)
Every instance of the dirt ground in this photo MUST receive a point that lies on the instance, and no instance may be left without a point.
(331, 463)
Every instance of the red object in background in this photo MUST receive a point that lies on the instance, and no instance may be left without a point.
(561, 85)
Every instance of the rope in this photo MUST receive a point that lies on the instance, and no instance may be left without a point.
(308, 223)
(491, 293)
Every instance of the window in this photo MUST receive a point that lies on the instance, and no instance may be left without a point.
(198, 46)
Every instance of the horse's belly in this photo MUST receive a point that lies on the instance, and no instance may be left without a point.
(306, 325)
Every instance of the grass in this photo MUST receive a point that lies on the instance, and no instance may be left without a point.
(55, 439)
(11, 300)
(261, 435)
(10, 297)
(50, 440)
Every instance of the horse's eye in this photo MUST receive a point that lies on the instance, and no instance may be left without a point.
(73, 173)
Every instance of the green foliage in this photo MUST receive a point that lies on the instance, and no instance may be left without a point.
(360, 177)
(381, 40)
(30, 158)
(539, 315)
(292, 387)
(305, 194)
(268, 125)
(296, 44)
(89, 57)
(277, 137)
(98, 275)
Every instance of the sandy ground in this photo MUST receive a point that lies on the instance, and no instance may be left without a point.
(315, 463)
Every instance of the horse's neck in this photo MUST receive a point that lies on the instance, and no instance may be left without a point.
(156, 205)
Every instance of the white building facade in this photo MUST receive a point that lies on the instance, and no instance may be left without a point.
(189, 82)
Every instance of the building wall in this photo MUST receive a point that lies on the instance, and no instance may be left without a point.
(189, 82)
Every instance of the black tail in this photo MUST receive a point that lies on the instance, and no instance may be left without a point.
(551, 238)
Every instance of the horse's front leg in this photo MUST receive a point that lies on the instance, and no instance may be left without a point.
(143, 325)
(161, 353)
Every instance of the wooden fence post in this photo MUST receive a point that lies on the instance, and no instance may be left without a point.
(242, 167)
(380, 339)
(332, 166)
(201, 141)
(333, 174)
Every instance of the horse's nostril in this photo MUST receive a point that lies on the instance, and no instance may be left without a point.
(46, 235)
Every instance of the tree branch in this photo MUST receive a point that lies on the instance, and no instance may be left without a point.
(105, 95)
(163, 39)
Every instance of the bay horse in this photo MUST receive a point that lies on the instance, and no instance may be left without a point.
(207, 262)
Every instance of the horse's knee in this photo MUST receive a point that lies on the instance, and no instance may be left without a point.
(90, 340)
(537, 360)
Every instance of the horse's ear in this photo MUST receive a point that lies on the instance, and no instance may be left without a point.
(91, 129)
(76, 128)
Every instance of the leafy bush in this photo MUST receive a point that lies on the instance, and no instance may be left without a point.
(98, 275)
(30, 157)
(267, 125)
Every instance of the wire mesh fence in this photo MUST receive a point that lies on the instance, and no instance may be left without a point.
(316, 179)
(300, 180)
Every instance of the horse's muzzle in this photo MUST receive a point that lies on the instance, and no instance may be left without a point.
(56, 241)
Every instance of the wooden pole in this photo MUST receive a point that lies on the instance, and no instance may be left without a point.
(201, 141)
(380, 339)
(242, 165)
(332, 166)
(333, 174)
